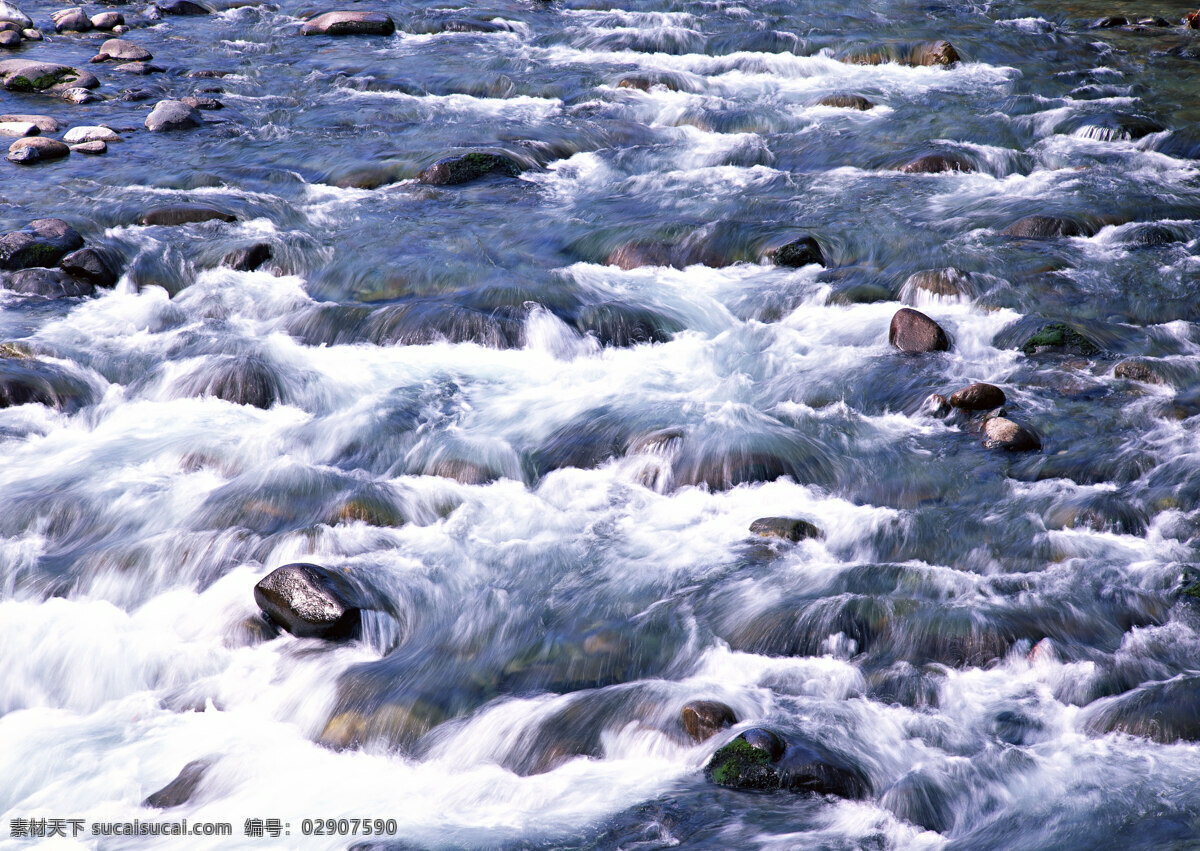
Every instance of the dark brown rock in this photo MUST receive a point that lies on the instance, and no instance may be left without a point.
(978, 397)
(935, 53)
(846, 102)
(1110, 21)
(309, 601)
(249, 258)
(942, 283)
(463, 168)
(180, 790)
(1003, 433)
(797, 253)
(181, 7)
(184, 214)
(937, 164)
(703, 719)
(1138, 370)
(788, 528)
(913, 331)
(350, 23)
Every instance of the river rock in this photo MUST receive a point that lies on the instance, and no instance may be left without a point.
(183, 214)
(913, 331)
(107, 21)
(44, 123)
(101, 266)
(31, 34)
(49, 283)
(935, 53)
(759, 760)
(350, 23)
(92, 148)
(846, 102)
(798, 253)
(23, 156)
(9, 12)
(10, 39)
(25, 75)
(169, 115)
(703, 719)
(788, 528)
(48, 149)
(249, 258)
(139, 68)
(1166, 712)
(203, 103)
(1044, 227)
(18, 129)
(1193, 20)
(180, 790)
(309, 601)
(1110, 21)
(1058, 338)
(43, 243)
(181, 7)
(1003, 433)
(76, 95)
(940, 283)
(1135, 369)
(122, 50)
(71, 20)
(463, 168)
(937, 164)
(977, 397)
(88, 133)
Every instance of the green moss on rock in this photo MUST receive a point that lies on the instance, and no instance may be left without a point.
(1058, 336)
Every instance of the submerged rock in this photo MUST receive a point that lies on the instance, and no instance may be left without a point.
(932, 53)
(846, 102)
(759, 760)
(797, 253)
(1166, 712)
(249, 258)
(350, 23)
(464, 168)
(184, 214)
(788, 528)
(1058, 338)
(98, 265)
(914, 332)
(1045, 227)
(1137, 369)
(44, 243)
(937, 164)
(941, 283)
(237, 379)
(1003, 433)
(703, 719)
(978, 397)
(172, 115)
(49, 283)
(309, 601)
(180, 790)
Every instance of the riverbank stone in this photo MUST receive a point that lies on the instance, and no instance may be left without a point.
(350, 23)
(309, 601)
(787, 528)
(914, 332)
(979, 396)
(463, 168)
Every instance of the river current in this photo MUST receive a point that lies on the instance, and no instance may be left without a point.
(531, 418)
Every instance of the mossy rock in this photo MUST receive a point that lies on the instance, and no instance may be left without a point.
(1059, 337)
(741, 765)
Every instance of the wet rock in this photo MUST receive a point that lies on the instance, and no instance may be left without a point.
(76, 95)
(936, 405)
(90, 134)
(107, 21)
(44, 243)
(787, 528)
(71, 20)
(1153, 22)
(48, 283)
(181, 8)
(1003, 433)
(240, 380)
(978, 397)
(10, 12)
(203, 103)
(1044, 227)
(759, 760)
(1193, 20)
(634, 255)
(10, 39)
(1136, 369)
(921, 800)
(937, 164)
(184, 214)
(31, 34)
(846, 102)
(397, 725)
(18, 129)
(139, 68)
(180, 790)
(169, 115)
(122, 50)
(92, 148)
(309, 601)
(463, 168)
(703, 719)
(933, 53)
(134, 95)
(23, 156)
(99, 265)
(44, 123)
(24, 75)
(914, 332)
(797, 253)
(350, 23)
(1058, 338)
(860, 293)
(936, 53)
(249, 258)
(1110, 21)
(1166, 712)
(941, 283)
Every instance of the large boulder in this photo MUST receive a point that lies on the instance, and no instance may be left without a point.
(122, 50)
(43, 243)
(350, 23)
(913, 331)
(463, 168)
(977, 397)
(169, 115)
(309, 601)
(48, 283)
(9, 12)
(760, 760)
(71, 20)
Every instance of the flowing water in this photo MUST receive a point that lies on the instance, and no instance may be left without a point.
(541, 466)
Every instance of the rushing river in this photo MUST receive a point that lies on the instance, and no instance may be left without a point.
(530, 419)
